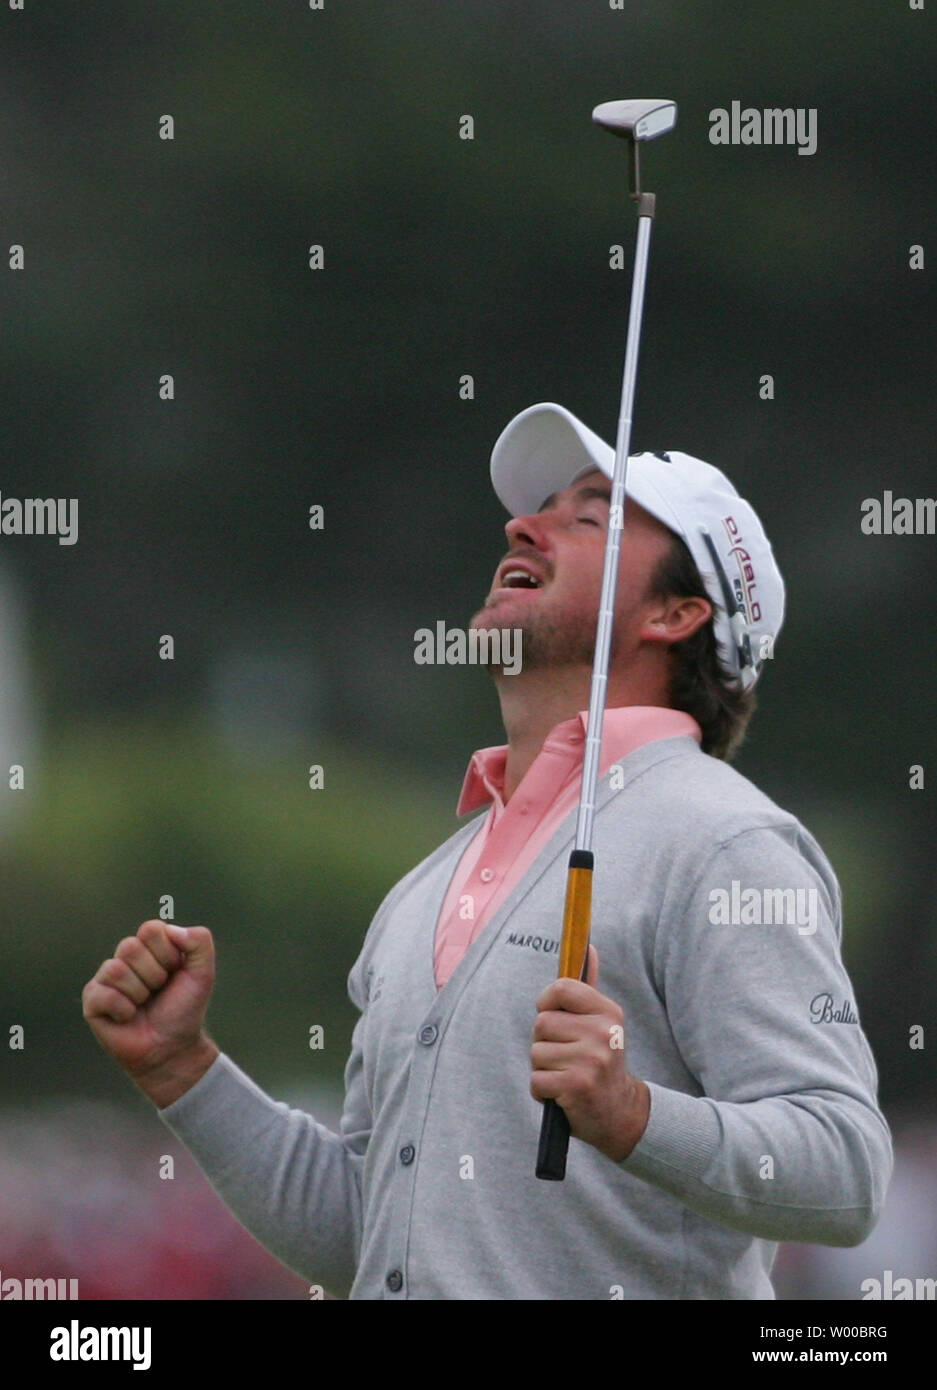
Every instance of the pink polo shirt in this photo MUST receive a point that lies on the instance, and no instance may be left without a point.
(511, 836)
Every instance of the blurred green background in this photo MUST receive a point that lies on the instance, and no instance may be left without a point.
(340, 387)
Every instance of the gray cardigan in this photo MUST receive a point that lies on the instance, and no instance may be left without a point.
(764, 1123)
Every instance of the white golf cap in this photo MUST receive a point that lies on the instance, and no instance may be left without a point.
(545, 448)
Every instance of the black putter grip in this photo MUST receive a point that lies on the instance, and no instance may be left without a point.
(574, 950)
(554, 1142)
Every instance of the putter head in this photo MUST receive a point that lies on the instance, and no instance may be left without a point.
(637, 120)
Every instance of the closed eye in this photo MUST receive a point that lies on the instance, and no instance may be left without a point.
(589, 520)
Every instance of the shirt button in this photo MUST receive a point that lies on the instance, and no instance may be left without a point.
(395, 1281)
(407, 1153)
(429, 1034)
(486, 875)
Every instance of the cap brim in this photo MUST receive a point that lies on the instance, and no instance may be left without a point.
(540, 452)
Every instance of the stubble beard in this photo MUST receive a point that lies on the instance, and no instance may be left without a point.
(548, 640)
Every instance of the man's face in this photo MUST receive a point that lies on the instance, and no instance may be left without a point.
(561, 549)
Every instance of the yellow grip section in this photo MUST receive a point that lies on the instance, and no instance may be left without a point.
(577, 920)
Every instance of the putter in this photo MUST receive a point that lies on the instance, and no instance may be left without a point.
(635, 122)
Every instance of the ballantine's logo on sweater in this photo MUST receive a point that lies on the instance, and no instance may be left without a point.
(822, 1010)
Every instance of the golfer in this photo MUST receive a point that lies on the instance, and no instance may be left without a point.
(719, 1088)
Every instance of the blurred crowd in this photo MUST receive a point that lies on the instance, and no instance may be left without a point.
(81, 1196)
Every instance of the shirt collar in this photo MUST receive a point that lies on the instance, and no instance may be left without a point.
(623, 730)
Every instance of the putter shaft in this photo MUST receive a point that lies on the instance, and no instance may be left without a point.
(554, 1128)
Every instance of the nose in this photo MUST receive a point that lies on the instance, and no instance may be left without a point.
(529, 530)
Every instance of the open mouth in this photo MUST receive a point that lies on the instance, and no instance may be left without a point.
(520, 579)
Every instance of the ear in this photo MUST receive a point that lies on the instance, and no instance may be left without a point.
(675, 619)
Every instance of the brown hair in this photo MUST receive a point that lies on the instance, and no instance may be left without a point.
(701, 684)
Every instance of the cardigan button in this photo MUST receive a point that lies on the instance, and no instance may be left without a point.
(407, 1153)
(429, 1034)
(395, 1281)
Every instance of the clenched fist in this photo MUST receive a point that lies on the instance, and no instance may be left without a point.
(146, 1006)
